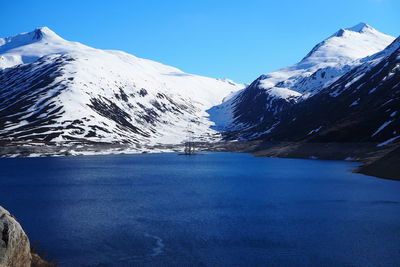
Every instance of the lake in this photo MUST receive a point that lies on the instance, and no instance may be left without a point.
(217, 209)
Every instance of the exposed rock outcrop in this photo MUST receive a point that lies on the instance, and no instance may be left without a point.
(14, 243)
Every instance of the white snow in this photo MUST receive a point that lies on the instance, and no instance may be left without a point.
(355, 102)
(372, 90)
(282, 92)
(388, 141)
(315, 130)
(333, 57)
(381, 127)
(354, 80)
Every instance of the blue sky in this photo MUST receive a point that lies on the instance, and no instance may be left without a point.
(224, 39)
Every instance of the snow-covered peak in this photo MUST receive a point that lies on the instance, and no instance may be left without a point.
(360, 27)
(337, 51)
(45, 33)
(28, 47)
(348, 44)
(22, 39)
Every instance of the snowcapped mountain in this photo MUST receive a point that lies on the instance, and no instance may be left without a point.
(331, 58)
(363, 105)
(53, 90)
(323, 65)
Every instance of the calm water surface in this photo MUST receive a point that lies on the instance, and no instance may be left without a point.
(218, 209)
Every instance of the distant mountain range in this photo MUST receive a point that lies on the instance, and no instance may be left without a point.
(345, 90)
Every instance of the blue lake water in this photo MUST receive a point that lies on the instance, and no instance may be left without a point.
(218, 209)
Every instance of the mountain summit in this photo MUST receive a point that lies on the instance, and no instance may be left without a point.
(42, 33)
(30, 46)
(360, 27)
(348, 44)
(340, 49)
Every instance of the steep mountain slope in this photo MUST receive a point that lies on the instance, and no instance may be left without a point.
(54, 90)
(276, 91)
(361, 106)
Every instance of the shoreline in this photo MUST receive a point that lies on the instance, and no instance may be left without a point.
(379, 162)
(383, 163)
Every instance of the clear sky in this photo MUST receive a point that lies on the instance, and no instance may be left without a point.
(224, 39)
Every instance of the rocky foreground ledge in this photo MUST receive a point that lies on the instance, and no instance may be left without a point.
(15, 249)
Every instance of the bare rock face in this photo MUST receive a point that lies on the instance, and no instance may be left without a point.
(14, 244)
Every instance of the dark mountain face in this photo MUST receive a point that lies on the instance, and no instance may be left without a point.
(256, 105)
(38, 34)
(25, 86)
